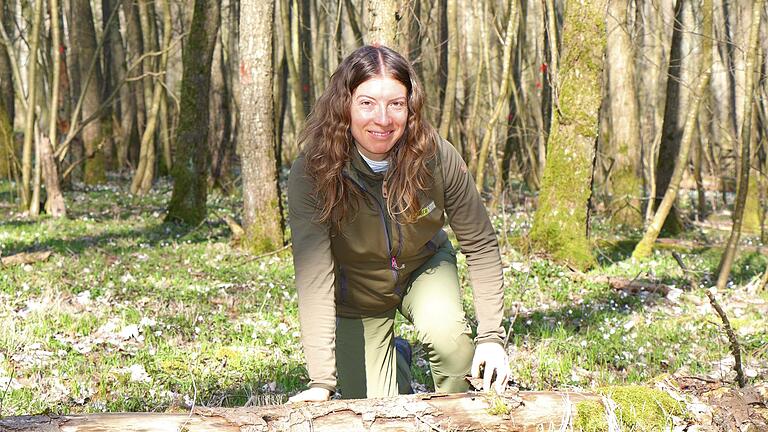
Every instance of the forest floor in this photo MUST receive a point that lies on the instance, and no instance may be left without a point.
(131, 314)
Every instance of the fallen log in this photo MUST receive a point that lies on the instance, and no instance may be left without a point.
(512, 411)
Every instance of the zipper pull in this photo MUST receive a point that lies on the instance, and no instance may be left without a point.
(384, 191)
(395, 266)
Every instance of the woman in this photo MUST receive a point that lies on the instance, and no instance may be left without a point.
(367, 202)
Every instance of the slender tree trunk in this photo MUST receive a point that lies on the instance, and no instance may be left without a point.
(452, 54)
(621, 152)
(354, 24)
(142, 179)
(29, 120)
(7, 143)
(560, 225)
(55, 202)
(126, 105)
(644, 248)
(297, 107)
(93, 134)
(136, 86)
(726, 262)
(190, 165)
(219, 133)
(305, 55)
(501, 100)
(261, 210)
(677, 99)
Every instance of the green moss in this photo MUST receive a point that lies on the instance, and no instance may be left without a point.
(639, 408)
(590, 417)
(497, 405)
(264, 233)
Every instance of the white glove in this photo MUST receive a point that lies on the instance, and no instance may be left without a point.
(494, 359)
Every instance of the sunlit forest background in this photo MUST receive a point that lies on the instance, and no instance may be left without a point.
(145, 144)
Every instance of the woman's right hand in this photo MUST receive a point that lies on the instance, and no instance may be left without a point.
(314, 394)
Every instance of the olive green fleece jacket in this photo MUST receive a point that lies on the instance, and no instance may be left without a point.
(364, 269)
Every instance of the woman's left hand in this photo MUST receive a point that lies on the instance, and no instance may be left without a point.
(493, 358)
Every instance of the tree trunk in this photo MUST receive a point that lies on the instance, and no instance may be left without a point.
(526, 411)
(219, 141)
(261, 207)
(136, 87)
(382, 22)
(618, 161)
(126, 105)
(501, 100)
(7, 144)
(305, 55)
(54, 204)
(560, 225)
(677, 101)
(644, 248)
(142, 180)
(452, 78)
(726, 261)
(190, 164)
(84, 35)
(29, 120)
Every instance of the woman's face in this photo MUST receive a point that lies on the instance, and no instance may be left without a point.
(379, 114)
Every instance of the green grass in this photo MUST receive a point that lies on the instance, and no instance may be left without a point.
(131, 314)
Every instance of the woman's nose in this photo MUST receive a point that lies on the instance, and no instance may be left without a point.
(382, 116)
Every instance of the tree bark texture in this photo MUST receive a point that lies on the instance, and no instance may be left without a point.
(93, 135)
(190, 164)
(561, 220)
(219, 142)
(382, 17)
(261, 202)
(459, 412)
(54, 204)
(619, 157)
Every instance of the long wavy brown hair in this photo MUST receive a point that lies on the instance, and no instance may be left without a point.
(327, 142)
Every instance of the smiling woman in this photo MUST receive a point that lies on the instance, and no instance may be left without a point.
(368, 198)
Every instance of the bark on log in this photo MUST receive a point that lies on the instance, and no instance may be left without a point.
(528, 411)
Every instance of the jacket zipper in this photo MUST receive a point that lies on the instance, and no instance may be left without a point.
(393, 265)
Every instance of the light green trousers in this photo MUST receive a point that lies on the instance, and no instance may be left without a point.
(366, 361)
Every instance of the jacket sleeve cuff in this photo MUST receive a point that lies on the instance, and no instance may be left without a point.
(489, 338)
(330, 388)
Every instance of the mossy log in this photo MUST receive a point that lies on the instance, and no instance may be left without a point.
(524, 411)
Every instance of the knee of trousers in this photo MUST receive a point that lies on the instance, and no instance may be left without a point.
(449, 344)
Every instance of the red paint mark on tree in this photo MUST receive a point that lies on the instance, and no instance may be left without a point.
(305, 88)
(538, 84)
(543, 68)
